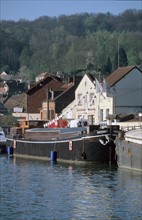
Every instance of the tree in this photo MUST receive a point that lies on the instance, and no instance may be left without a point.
(25, 74)
(123, 61)
(120, 59)
(64, 43)
(107, 68)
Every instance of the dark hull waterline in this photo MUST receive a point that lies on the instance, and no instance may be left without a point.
(81, 149)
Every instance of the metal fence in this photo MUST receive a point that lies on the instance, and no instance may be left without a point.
(129, 128)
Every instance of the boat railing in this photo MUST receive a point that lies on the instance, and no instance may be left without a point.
(129, 128)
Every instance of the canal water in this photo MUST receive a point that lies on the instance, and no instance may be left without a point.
(41, 190)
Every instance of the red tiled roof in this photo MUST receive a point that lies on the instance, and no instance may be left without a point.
(67, 85)
(119, 74)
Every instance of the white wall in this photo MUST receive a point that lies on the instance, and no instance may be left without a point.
(128, 93)
(70, 111)
(105, 105)
(85, 107)
(27, 116)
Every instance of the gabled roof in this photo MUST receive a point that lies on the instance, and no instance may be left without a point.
(16, 100)
(118, 74)
(66, 97)
(70, 88)
(67, 87)
(3, 73)
(46, 80)
(91, 77)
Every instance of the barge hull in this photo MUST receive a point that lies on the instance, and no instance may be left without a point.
(129, 155)
(83, 150)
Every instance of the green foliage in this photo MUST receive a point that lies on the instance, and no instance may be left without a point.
(107, 68)
(68, 43)
(7, 120)
(123, 61)
(120, 58)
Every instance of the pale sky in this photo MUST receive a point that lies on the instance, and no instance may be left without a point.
(33, 9)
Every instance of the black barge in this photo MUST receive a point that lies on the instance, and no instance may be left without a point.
(69, 144)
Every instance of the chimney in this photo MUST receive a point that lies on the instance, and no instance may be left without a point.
(29, 86)
(52, 94)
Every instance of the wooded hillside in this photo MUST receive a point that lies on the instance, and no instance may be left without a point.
(71, 43)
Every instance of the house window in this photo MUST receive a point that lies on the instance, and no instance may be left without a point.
(79, 99)
(101, 114)
(91, 98)
(107, 112)
(85, 99)
(91, 120)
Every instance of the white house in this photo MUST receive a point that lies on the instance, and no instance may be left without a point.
(85, 97)
(125, 86)
(90, 103)
(119, 93)
(70, 111)
(84, 104)
(104, 107)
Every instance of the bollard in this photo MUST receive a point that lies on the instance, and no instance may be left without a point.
(53, 155)
(10, 151)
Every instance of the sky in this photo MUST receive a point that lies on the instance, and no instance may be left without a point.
(33, 9)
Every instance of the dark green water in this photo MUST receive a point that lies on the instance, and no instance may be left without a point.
(39, 190)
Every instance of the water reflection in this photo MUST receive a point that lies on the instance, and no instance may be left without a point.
(38, 190)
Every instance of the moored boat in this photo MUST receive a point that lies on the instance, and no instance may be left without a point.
(77, 144)
(129, 150)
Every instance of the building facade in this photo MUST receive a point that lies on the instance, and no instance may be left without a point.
(125, 87)
(119, 93)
